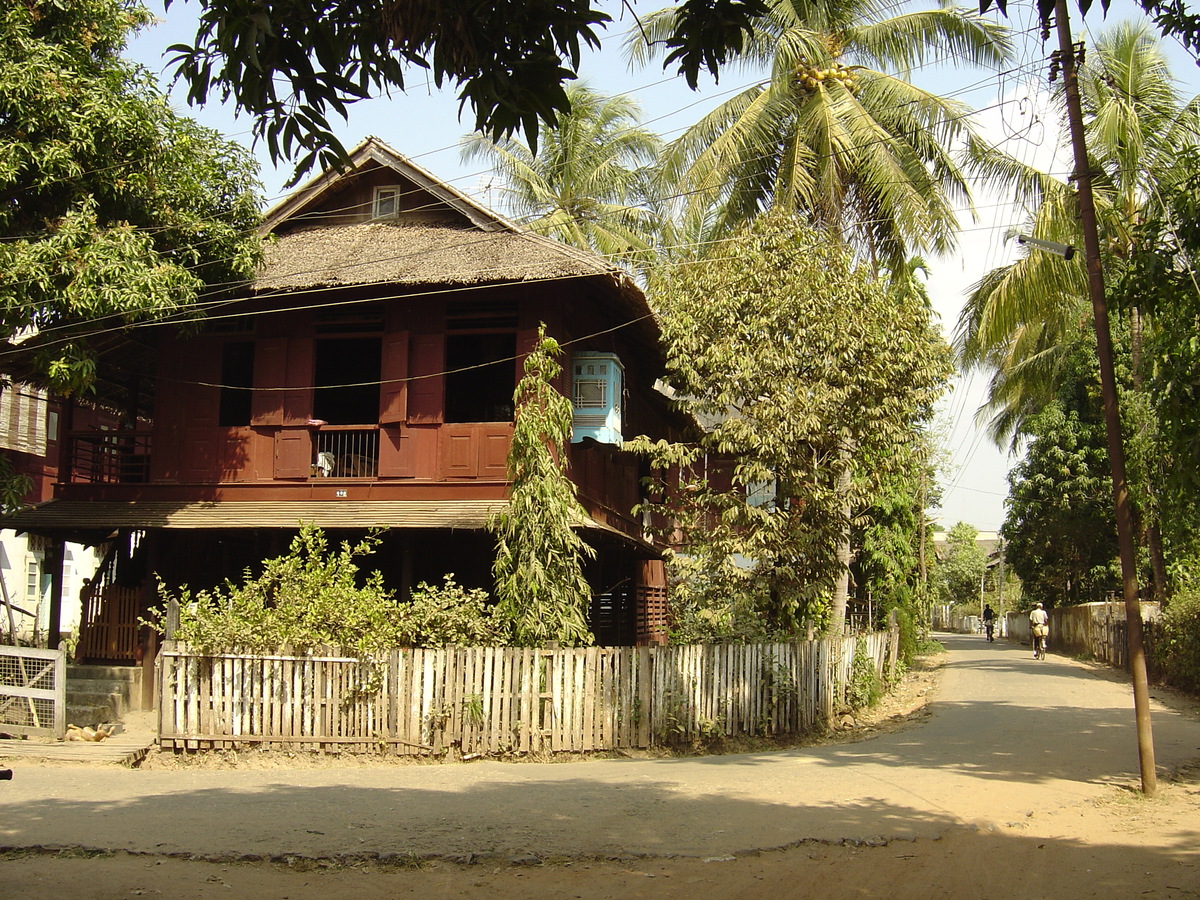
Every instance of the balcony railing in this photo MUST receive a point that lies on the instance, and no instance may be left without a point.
(346, 451)
(109, 457)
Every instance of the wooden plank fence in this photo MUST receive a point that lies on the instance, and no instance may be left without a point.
(504, 700)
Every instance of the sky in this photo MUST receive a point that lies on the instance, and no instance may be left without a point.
(423, 124)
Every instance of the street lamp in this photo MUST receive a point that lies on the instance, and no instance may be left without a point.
(1066, 251)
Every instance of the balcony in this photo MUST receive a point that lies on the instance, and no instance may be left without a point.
(346, 451)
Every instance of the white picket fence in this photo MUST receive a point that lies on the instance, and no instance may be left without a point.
(502, 700)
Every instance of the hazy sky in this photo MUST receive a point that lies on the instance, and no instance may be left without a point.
(423, 124)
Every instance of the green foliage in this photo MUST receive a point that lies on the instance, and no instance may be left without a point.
(715, 607)
(1060, 533)
(449, 615)
(308, 597)
(290, 63)
(1178, 648)
(865, 687)
(588, 184)
(837, 135)
(958, 575)
(313, 596)
(116, 208)
(13, 487)
(538, 569)
(793, 355)
(1162, 423)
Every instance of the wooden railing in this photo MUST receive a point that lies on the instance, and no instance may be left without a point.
(346, 451)
(491, 700)
(108, 457)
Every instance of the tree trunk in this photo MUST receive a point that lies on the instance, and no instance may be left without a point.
(1151, 531)
(841, 587)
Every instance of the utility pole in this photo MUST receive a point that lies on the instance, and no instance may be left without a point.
(1112, 415)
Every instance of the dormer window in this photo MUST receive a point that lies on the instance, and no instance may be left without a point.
(387, 202)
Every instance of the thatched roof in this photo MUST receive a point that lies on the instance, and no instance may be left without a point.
(409, 254)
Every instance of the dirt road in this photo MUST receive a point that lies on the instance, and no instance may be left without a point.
(1016, 785)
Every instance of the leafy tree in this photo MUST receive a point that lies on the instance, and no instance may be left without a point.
(838, 135)
(1024, 320)
(115, 209)
(291, 62)
(588, 181)
(1060, 534)
(538, 569)
(792, 353)
(887, 565)
(961, 572)
(1162, 421)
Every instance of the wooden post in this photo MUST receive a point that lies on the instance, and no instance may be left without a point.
(55, 557)
(1122, 503)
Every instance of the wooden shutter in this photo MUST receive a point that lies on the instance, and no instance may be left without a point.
(270, 371)
(397, 452)
(393, 392)
(298, 400)
(460, 451)
(427, 390)
(293, 453)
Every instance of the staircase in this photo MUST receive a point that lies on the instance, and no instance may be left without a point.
(101, 694)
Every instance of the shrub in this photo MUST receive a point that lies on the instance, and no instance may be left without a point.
(450, 614)
(311, 597)
(865, 688)
(1178, 648)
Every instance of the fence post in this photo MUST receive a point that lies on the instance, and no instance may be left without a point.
(893, 645)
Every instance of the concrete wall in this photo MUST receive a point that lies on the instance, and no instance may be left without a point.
(1089, 629)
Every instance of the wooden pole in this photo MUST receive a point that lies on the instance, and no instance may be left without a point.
(56, 556)
(1112, 414)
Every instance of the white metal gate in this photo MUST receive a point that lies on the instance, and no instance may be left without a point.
(33, 691)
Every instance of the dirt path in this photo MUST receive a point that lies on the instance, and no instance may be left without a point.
(1017, 784)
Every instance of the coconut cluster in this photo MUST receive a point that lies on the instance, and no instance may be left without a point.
(811, 77)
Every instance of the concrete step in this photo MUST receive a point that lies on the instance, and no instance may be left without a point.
(113, 701)
(92, 714)
(109, 673)
(100, 694)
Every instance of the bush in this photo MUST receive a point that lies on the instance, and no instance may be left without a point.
(450, 615)
(1178, 647)
(311, 597)
(865, 688)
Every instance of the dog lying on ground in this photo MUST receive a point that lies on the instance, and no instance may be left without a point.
(99, 733)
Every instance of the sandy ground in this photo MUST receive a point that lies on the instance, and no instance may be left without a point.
(1016, 781)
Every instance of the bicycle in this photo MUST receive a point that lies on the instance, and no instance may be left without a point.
(1039, 641)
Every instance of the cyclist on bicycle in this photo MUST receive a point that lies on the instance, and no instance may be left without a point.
(1039, 628)
(989, 622)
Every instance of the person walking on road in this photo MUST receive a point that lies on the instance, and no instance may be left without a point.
(1039, 628)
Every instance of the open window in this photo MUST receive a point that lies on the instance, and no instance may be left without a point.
(480, 377)
(237, 379)
(347, 375)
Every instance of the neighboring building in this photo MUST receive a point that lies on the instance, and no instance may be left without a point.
(365, 380)
(29, 437)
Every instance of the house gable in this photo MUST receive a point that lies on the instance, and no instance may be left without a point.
(380, 184)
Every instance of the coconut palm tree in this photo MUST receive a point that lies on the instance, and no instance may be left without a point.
(1021, 321)
(587, 184)
(837, 132)
(1024, 320)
